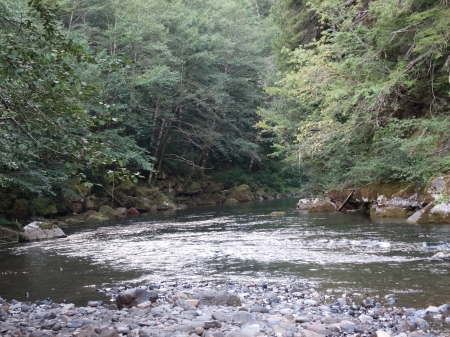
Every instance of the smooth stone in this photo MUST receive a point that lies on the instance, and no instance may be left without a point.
(310, 302)
(421, 323)
(302, 319)
(365, 318)
(199, 330)
(347, 326)
(244, 317)
(193, 302)
(432, 309)
(258, 308)
(38, 334)
(381, 333)
(307, 333)
(444, 307)
(251, 330)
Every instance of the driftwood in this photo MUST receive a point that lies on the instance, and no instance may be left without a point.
(346, 200)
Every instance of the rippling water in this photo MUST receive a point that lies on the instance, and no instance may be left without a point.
(342, 252)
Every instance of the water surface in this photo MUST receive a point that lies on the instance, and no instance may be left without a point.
(234, 243)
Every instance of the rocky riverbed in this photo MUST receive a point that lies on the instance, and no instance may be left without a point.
(223, 310)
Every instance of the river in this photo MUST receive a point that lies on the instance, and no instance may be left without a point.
(331, 252)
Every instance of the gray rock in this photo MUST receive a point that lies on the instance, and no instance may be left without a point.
(218, 298)
(347, 326)
(33, 231)
(38, 334)
(251, 330)
(220, 316)
(258, 308)
(132, 297)
(25, 308)
(307, 333)
(421, 323)
(444, 307)
(243, 317)
(183, 304)
(109, 333)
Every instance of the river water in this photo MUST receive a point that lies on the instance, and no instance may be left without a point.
(238, 243)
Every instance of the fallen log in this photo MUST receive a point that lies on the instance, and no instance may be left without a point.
(346, 200)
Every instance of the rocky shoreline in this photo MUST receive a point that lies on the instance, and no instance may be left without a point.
(224, 310)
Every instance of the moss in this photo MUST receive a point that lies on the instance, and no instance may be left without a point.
(79, 188)
(241, 193)
(126, 187)
(231, 201)
(144, 191)
(392, 189)
(322, 207)
(43, 206)
(193, 188)
(107, 212)
(389, 212)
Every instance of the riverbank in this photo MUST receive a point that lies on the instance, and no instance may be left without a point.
(230, 310)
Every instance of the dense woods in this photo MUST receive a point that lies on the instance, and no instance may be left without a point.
(282, 94)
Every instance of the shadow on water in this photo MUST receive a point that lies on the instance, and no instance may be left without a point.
(341, 252)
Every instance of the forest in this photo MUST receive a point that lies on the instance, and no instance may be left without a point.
(282, 95)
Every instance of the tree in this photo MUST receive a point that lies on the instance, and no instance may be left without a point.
(45, 132)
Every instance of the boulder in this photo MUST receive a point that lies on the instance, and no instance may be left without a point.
(40, 231)
(75, 207)
(437, 187)
(91, 203)
(389, 211)
(315, 205)
(132, 211)
(231, 201)
(277, 214)
(132, 297)
(432, 214)
(126, 187)
(217, 298)
(193, 189)
(440, 213)
(43, 206)
(107, 212)
(121, 211)
(241, 193)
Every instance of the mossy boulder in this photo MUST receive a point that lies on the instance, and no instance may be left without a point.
(241, 193)
(231, 201)
(140, 203)
(147, 191)
(126, 187)
(193, 188)
(389, 212)
(43, 206)
(19, 210)
(164, 203)
(91, 203)
(79, 189)
(107, 212)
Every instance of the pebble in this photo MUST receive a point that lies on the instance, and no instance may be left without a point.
(284, 310)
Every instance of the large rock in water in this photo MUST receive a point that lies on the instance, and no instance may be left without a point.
(40, 231)
(132, 297)
(241, 193)
(315, 205)
(432, 214)
(217, 298)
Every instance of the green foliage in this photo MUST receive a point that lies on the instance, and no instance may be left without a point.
(365, 99)
(45, 132)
